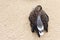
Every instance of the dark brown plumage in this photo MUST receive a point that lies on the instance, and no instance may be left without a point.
(33, 19)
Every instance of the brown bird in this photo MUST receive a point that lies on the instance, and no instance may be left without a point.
(38, 20)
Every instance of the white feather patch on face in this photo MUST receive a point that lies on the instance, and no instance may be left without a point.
(42, 33)
(40, 29)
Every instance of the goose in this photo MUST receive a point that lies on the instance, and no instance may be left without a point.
(39, 20)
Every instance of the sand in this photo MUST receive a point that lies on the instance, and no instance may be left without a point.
(14, 23)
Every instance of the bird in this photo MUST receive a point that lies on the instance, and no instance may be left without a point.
(38, 20)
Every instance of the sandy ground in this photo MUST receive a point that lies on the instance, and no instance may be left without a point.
(14, 23)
